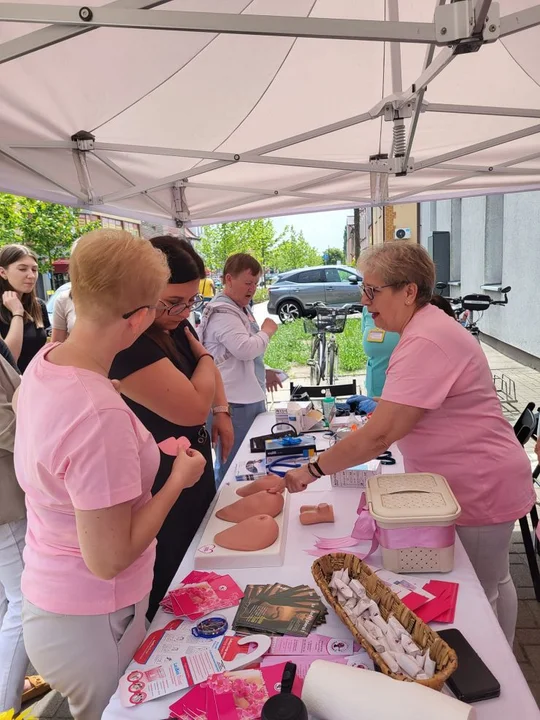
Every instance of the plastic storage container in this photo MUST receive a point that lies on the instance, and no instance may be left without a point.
(415, 516)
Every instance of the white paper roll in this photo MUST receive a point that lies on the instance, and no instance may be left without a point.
(341, 692)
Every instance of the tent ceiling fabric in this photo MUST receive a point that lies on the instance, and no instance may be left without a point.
(237, 109)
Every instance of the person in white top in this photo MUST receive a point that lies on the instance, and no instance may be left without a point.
(231, 334)
(63, 317)
(63, 313)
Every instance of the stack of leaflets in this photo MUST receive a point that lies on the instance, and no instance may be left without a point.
(279, 610)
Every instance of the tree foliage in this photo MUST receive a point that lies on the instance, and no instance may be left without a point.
(294, 251)
(257, 237)
(334, 256)
(282, 252)
(49, 229)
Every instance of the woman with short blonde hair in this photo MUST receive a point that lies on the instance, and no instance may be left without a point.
(441, 408)
(92, 521)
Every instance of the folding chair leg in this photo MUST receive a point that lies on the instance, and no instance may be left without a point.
(534, 520)
(531, 555)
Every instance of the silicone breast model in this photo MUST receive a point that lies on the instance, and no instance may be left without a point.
(265, 483)
(255, 533)
(261, 503)
(313, 514)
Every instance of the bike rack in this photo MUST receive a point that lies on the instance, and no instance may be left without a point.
(506, 390)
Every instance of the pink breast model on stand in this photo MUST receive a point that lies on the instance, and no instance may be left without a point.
(265, 483)
(261, 503)
(256, 533)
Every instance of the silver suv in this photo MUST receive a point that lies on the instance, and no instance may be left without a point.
(296, 290)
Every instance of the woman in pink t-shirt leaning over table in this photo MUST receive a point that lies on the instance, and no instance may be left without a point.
(87, 466)
(440, 406)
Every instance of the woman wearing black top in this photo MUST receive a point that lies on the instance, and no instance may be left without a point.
(23, 316)
(171, 384)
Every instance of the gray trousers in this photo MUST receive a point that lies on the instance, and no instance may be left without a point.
(83, 656)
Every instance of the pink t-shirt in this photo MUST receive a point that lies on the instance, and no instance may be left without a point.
(463, 435)
(78, 445)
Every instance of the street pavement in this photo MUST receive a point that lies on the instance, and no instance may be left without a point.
(527, 644)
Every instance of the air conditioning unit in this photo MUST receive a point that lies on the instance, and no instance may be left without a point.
(402, 234)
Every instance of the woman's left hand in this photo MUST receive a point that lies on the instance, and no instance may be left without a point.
(298, 480)
(222, 429)
(272, 380)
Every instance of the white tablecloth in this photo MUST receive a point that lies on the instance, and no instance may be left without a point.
(474, 616)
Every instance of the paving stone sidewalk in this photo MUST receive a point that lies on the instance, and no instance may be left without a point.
(527, 645)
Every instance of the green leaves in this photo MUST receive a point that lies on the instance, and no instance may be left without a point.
(258, 237)
(49, 229)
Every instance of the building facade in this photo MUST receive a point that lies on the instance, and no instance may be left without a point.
(486, 243)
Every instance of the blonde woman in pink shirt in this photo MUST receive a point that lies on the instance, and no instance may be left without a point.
(87, 465)
(440, 406)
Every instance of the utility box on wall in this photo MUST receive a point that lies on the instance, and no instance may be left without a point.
(439, 249)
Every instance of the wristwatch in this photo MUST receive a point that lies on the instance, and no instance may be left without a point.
(314, 468)
(222, 409)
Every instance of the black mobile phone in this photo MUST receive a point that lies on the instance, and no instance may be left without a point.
(473, 680)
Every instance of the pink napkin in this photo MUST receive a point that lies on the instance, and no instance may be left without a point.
(171, 445)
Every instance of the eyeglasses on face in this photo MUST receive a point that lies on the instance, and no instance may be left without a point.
(178, 308)
(370, 290)
(129, 314)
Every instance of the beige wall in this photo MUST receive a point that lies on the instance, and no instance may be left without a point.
(395, 216)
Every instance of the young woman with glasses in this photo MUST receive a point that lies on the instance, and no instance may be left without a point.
(171, 383)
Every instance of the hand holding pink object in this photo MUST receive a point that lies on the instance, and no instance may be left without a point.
(171, 445)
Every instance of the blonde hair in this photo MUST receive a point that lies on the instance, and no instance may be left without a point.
(113, 272)
(400, 263)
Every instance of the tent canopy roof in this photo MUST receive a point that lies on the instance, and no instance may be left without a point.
(205, 111)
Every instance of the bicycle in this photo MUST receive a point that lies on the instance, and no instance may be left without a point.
(466, 306)
(321, 321)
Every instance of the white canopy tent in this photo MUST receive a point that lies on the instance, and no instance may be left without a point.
(205, 111)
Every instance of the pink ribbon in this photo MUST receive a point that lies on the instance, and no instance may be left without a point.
(366, 529)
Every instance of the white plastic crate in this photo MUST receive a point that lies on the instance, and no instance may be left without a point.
(403, 503)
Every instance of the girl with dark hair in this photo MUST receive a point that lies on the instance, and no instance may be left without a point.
(171, 383)
(23, 316)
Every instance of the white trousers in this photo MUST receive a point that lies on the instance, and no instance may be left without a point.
(84, 656)
(488, 548)
(13, 658)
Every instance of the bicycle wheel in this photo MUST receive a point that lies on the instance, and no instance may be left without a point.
(332, 362)
(322, 358)
(314, 367)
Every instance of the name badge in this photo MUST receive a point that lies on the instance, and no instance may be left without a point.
(376, 335)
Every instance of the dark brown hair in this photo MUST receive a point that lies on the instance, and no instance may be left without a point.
(185, 265)
(10, 254)
(236, 264)
(443, 304)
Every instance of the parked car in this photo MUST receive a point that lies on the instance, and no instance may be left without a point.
(52, 300)
(295, 290)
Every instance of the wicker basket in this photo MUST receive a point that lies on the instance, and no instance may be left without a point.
(389, 604)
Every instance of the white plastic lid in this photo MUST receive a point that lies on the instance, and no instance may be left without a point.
(411, 498)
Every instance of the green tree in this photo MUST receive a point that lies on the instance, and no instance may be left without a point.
(294, 252)
(49, 229)
(10, 219)
(334, 256)
(257, 237)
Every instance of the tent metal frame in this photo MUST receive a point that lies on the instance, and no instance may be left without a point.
(457, 27)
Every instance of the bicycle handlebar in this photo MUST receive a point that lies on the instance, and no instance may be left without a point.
(319, 308)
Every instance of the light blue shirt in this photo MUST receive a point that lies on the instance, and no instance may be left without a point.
(378, 354)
